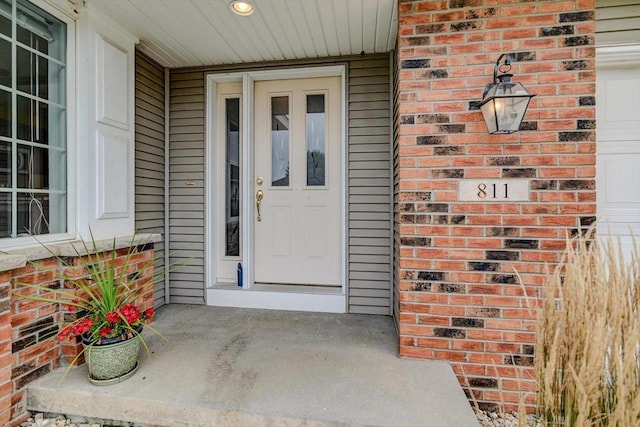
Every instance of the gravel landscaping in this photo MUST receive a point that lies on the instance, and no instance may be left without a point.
(55, 420)
(495, 419)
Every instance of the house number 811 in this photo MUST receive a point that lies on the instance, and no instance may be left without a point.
(493, 190)
(482, 191)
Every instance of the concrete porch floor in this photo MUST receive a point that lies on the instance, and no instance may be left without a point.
(244, 367)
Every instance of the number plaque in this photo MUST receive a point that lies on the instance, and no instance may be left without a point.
(493, 190)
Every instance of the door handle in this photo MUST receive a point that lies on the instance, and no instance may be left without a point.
(259, 196)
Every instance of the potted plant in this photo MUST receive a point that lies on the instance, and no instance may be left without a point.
(102, 301)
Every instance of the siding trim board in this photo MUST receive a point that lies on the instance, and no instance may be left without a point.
(367, 189)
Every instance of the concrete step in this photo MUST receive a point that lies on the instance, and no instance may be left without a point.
(240, 367)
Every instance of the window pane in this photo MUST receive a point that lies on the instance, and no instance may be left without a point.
(52, 130)
(315, 140)
(280, 141)
(53, 86)
(33, 167)
(26, 68)
(5, 164)
(5, 17)
(5, 214)
(40, 30)
(5, 25)
(232, 177)
(5, 63)
(41, 122)
(25, 116)
(35, 211)
(5, 113)
(57, 170)
(32, 40)
(33, 73)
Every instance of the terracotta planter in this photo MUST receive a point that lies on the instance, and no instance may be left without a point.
(112, 362)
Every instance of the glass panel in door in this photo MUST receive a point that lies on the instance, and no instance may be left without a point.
(280, 141)
(315, 136)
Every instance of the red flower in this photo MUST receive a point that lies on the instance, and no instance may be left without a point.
(130, 313)
(63, 334)
(105, 331)
(83, 326)
(72, 306)
(112, 317)
(149, 312)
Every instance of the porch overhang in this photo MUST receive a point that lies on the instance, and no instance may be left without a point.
(197, 32)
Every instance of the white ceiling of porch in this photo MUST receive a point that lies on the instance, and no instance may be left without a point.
(180, 33)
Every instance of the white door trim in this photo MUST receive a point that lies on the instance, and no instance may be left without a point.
(616, 55)
(232, 295)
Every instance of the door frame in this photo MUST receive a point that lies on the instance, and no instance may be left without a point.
(230, 295)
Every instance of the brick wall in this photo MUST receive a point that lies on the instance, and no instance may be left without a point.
(460, 265)
(35, 324)
(6, 360)
(28, 329)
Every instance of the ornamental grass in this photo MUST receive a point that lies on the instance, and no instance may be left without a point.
(587, 359)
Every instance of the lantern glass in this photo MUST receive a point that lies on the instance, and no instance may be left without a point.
(504, 107)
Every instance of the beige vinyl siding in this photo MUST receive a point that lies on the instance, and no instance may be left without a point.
(186, 185)
(149, 158)
(368, 187)
(369, 191)
(617, 22)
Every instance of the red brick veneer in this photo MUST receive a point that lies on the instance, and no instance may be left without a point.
(458, 297)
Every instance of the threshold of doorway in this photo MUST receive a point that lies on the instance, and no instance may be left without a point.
(322, 299)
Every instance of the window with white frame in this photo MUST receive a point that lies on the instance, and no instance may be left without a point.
(33, 108)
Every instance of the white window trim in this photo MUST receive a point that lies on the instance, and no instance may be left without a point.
(257, 298)
(71, 146)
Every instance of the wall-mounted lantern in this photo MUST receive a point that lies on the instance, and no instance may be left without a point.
(504, 102)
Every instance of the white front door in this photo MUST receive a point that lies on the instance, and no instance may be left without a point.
(297, 182)
(618, 149)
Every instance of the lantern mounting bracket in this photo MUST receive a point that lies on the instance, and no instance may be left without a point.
(503, 68)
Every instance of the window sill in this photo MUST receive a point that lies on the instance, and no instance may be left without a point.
(11, 262)
(18, 257)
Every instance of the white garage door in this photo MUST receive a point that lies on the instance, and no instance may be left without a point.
(618, 143)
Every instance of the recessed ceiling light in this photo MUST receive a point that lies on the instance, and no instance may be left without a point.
(241, 7)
